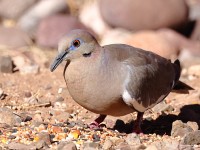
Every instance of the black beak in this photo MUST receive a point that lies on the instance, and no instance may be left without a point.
(58, 60)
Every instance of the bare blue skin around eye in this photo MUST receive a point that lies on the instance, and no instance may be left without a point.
(72, 47)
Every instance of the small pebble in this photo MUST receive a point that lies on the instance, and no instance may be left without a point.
(60, 90)
(66, 130)
(71, 124)
(27, 94)
(96, 137)
(14, 130)
(107, 144)
(11, 137)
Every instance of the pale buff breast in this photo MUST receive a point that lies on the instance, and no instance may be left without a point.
(95, 88)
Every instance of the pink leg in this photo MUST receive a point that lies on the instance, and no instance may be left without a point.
(96, 122)
(136, 128)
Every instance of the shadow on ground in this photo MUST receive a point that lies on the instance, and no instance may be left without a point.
(163, 124)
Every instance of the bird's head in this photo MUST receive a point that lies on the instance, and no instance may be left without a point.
(76, 44)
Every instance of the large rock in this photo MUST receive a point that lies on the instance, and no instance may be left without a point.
(192, 138)
(147, 39)
(13, 37)
(196, 32)
(167, 144)
(30, 20)
(52, 28)
(66, 145)
(142, 14)
(180, 129)
(14, 9)
(20, 146)
(8, 117)
(151, 41)
(90, 16)
(6, 64)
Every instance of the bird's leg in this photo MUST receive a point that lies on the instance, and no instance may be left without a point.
(96, 122)
(136, 128)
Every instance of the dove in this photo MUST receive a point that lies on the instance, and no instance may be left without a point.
(115, 79)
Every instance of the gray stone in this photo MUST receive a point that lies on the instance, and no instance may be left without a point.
(90, 146)
(191, 138)
(25, 116)
(30, 69)
(30, 20)
(66, 146)
(51, 29)
(41, 144)
(32, 100)
(161, 107)
(107, 144)
(140, 14)
(38, 118)
(44, 136)
(19, 146)
(61, 116)
(6, 64)
(123, 146)
(13, 37)
(8, 117)
(1, 93)
(14, 9)
(180, 129)
(164, 145)
(133, 139)
(193, 125)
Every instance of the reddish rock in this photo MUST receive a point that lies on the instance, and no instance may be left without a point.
(14, 9)
(151, 41)
(196, 32)
(90, 16)
(30, 20)
(142, 14)
(13, 37)
(148, 40)
(182, 43)
(51, 29)
(165, 42)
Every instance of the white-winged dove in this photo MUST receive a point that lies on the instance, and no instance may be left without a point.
(115, 79)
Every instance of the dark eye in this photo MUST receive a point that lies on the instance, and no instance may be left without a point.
(76, 43)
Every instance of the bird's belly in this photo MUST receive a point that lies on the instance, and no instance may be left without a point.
(99, 99)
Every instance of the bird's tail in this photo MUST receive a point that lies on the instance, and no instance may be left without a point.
(177, 68)
(180, 87)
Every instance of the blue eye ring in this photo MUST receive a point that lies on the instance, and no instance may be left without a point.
(76, 43)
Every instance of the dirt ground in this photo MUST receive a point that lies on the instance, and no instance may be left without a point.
(47, 88)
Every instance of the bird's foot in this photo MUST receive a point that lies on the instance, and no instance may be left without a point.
(137, 129)
(96, 124)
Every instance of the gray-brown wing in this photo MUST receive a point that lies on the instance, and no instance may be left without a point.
(151, 77)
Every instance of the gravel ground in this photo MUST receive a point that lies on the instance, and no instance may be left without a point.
(37, 112)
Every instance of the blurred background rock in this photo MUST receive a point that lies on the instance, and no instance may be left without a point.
(31, 29)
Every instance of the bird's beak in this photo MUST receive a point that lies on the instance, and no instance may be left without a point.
(58, 60)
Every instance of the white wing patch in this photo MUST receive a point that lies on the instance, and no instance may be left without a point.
(132, 102)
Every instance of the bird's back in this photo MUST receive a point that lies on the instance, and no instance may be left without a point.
(149, 78)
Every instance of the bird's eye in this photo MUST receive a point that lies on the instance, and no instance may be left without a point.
(76, 43)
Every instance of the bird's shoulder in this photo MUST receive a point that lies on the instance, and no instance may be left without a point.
(134, 56)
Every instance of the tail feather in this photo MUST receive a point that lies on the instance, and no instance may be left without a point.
(177, 68)
(181, 87)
